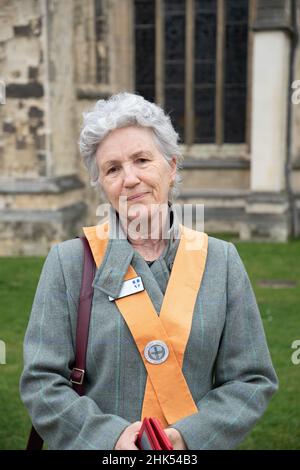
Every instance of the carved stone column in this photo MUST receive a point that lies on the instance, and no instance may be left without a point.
(267, 207)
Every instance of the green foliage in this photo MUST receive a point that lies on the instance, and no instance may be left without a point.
(18, 281)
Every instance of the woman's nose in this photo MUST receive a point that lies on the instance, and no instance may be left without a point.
(130, 177)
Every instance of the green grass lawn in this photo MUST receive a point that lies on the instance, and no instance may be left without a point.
(280, 309)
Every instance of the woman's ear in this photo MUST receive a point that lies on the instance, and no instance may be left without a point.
(173, 165)
(101, 191)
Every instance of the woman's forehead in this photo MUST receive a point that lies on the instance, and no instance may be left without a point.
(126, 141)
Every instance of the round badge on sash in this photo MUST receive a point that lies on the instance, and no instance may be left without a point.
(156, 352)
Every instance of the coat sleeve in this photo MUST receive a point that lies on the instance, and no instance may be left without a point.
(244, 375)
(62, 418)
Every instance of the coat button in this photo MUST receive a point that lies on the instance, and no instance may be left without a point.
(156, 352)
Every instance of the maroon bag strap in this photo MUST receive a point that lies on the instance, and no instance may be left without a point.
(35, 442)
(83, 319)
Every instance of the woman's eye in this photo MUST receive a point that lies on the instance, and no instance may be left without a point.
(142, 160)
(111, 170)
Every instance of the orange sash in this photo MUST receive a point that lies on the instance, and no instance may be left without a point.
(167, 395)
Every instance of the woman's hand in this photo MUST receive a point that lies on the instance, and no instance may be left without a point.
(128, 437)
(176, 439)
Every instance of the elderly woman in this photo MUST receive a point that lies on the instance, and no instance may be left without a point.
(183, 342)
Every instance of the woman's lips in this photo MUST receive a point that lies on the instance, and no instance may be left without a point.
(138, 196)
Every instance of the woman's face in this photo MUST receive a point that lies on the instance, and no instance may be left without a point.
(130, 165)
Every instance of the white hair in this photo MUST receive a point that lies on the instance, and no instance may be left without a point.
(122, 110)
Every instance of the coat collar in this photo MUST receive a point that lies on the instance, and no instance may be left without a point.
(120, 253)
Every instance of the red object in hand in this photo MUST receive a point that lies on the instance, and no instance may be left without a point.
(152, 436)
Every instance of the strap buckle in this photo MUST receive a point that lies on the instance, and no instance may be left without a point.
(77, 376)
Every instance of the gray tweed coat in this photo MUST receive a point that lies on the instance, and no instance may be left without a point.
(227, 364)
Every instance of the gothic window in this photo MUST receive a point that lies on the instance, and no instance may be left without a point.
(205, 70)
(144, 48)
(174, 58)
(235, 79)
(191, 57)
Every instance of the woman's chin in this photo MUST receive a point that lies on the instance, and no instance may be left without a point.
(139, 213)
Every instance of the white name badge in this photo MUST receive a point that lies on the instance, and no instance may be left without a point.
(131, 286)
